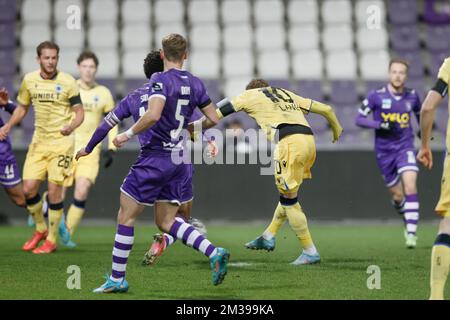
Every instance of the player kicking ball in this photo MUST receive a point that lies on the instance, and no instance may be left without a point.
(392, 107)
(440, 255)
(154, 179)
(281, 112)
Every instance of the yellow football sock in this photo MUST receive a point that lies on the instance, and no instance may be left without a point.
(440, 263)
(74, 217)
(54, 217)
(279, 218)
(298, 223)
(35, 211)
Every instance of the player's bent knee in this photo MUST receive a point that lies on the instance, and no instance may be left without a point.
(444, 225)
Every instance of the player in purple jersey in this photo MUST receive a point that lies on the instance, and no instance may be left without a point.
(9, 172)
(155, 179)
(154, 64)
(392, 107)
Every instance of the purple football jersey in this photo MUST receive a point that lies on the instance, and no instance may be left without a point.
(387, 106)
(183, 93)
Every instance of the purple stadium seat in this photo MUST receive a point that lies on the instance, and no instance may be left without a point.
(213, 89)
(110, 83)
(7, 82)
(133, 84)
(415, 60)
(343, 93)
(8, 38)
(436, 61)
(375, 84)
(346, 116)
(318, 123)
(309, 89)
(417, 84)
(8, 10)
(403, 12)
(285, 84)
(437, 38)
(7, 62)
(27, 126)
(405, 38)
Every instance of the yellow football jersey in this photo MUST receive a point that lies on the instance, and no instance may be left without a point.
(271, 107)
(444, 75)
(52, 101)
(97, 101)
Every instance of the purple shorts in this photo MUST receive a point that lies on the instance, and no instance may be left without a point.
(154, 177)
(187, 192)
(392, 165)
(9, 172)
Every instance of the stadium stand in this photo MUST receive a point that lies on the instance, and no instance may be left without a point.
(328, 52)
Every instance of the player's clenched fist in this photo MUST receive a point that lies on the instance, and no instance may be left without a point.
(66, 130)
(120, 139)
(425, 157)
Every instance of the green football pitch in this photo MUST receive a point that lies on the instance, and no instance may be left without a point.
(182, 273)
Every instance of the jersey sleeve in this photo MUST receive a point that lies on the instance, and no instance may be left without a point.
(417, 104)
(304, 103)
(74, 93)
(443, 81)
(202, 96)
(369, 104)
(109, 101)
(120, 112)
(10, 107)
(23, 96)
(157, 87)
(444, 71)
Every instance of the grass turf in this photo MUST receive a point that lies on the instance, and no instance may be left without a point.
(182, 273)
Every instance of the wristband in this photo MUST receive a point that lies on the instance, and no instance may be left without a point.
(129, 133)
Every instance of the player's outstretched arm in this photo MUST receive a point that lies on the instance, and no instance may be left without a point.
(328, 113)
(427, 112)
(16, 117)
(109, 122)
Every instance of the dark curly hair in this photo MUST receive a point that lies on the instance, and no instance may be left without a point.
(153, 63)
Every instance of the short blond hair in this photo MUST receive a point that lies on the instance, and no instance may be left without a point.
(174, 46)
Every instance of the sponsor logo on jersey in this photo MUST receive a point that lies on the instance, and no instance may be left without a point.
(157, 87)
(397, 117)
(386, 104)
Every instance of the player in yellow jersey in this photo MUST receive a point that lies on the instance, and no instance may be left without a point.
(440, 256)
(97, 101)
(280, 113)
(55, 97)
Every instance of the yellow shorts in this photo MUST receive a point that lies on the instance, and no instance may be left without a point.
(86, 167)
(51, 160)
(443, 206)
(293, 157)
